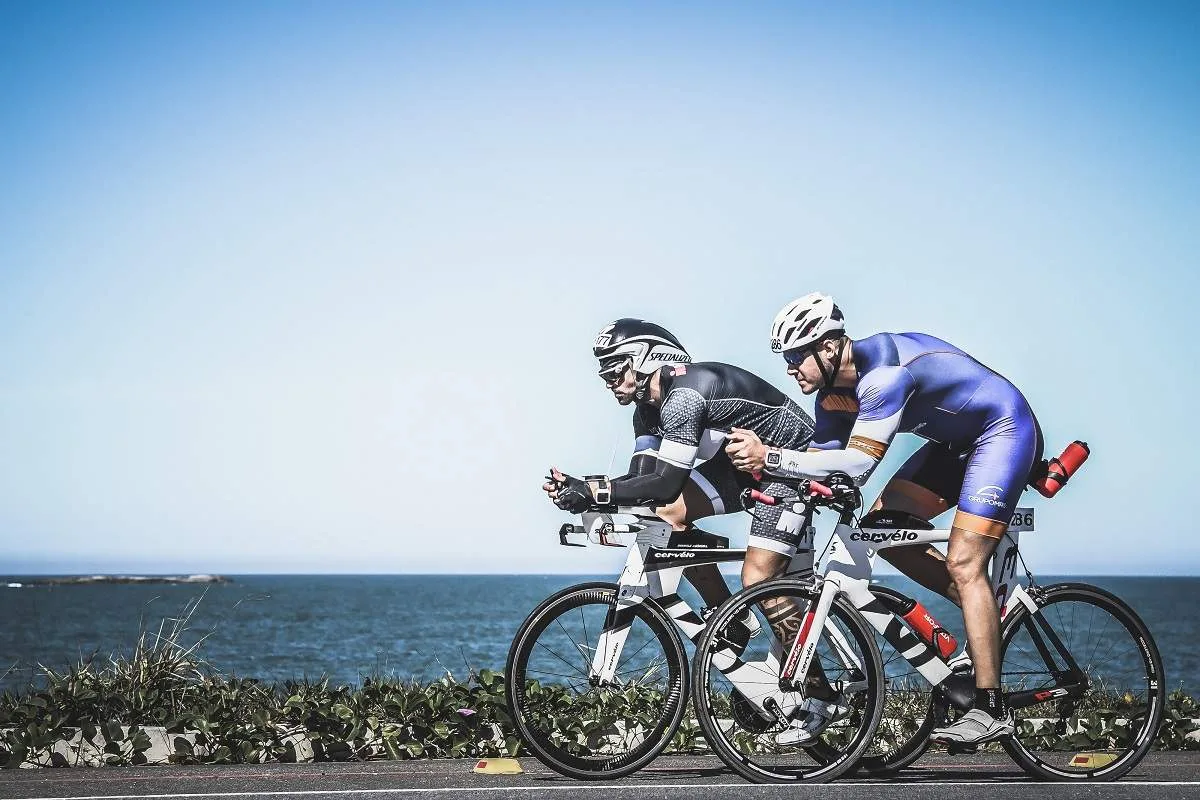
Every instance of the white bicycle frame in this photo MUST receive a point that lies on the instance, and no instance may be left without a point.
(848, 568)
(654, 568)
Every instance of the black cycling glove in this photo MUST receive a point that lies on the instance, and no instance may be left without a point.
(574, 495)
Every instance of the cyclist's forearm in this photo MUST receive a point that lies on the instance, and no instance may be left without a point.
(823, 463)
(660, 486)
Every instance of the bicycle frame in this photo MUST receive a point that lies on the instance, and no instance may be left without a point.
(657, 563)
(848, 568)
(653, 571)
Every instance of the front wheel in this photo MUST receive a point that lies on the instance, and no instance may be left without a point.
(749, 720)
(1085, 680)
(575, 726)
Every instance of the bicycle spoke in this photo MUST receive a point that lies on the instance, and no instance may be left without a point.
(579, 729)
(560, 658)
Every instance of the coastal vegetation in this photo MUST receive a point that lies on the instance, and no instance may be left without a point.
(104, 712)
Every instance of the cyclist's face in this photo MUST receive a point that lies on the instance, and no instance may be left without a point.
(623, 385)
(802, 365)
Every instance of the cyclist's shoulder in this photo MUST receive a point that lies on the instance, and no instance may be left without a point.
(701, 376)
(887, 357)
(907, 347)
(725, 380)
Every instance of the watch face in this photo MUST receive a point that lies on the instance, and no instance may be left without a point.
(773, 458)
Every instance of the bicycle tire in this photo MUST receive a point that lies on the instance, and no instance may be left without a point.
(1141, 722)
(829, 759)
(571, 728)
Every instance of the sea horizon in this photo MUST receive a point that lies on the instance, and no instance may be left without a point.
(346, 626)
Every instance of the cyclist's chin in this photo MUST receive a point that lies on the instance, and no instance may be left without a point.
(623, 399)
(805, 386)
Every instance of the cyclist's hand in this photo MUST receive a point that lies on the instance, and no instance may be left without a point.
(572, 494)
(554, 482)
(746, 450)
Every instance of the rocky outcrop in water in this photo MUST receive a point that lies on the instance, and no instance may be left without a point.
(89, 579)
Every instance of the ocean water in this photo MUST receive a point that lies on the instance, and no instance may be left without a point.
(345, 627)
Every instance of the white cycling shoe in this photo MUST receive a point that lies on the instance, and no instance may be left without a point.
(809, 727)
(975, 727)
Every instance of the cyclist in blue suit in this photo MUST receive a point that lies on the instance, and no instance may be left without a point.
(982, 441)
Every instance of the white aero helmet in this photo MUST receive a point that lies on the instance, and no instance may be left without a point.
(642, 345)
(805, 321)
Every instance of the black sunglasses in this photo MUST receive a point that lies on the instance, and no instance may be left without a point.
(611, 374)
(796, 356)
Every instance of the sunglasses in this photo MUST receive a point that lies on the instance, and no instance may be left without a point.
(613, 374)
(795, 357)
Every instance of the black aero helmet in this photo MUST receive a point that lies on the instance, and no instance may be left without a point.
(642, 345)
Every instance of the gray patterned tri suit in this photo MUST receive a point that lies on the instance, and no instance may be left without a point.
(683, 439)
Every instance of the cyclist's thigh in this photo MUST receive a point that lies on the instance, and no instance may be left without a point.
(926, 483)
(715, 487)
(997, 468)
(777, 528)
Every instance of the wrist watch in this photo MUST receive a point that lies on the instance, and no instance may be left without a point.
(774, 458)
(601, 489)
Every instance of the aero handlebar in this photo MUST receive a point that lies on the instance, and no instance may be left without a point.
(812, 488)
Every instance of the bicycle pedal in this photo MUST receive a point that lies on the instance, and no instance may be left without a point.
(962, 749)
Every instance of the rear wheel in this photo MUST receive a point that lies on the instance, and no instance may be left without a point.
(1092, 716)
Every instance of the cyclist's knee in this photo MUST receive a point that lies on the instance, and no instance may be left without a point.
(675, 513)
(966, 566)
(762, 565)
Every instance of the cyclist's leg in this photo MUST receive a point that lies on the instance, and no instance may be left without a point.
(776, 534)
(921, 487)
(997, 468)
(712, 488)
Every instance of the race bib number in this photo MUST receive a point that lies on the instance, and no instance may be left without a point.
(1022, 520)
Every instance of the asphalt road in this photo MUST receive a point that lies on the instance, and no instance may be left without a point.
(1161, 776)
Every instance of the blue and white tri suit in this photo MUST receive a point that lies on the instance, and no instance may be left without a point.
(982, 437)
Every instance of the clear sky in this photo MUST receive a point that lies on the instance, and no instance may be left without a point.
(311, 287)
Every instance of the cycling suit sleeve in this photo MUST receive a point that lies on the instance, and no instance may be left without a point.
(832, 429)
(682, 422)
(645, 448)
(882, 394)
(645, 456)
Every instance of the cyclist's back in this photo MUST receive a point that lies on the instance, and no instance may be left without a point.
(942, 393)
(703, 401)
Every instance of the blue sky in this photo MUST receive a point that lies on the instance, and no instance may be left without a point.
(297, 287)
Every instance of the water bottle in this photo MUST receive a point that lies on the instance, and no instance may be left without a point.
(926, 627)
(1060, 469)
